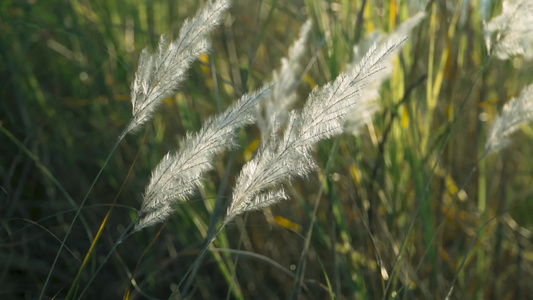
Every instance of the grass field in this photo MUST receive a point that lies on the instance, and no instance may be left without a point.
(409, 208)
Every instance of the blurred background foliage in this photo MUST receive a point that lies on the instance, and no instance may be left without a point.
(397, 212)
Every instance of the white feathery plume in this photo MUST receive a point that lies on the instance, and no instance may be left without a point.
(179, 173)
(161, 72)
(511, 33)
(364, 112)
(516, 112)
(274, 110)
(281, 159)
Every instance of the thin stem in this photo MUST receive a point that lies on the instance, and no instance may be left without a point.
(127, 232)
(300, 273)
(450, 290)
(100, 230)
(194, 267)
(48, 174)
(78, 211)
(426, 188)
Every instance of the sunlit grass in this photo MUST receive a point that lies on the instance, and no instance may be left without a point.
(403, 211)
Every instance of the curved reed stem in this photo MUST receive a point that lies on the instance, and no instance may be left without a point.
(78, 211)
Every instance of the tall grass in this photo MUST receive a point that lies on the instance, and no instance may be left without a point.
(413, 188)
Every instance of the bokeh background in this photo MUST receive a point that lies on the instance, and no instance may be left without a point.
(395, 212)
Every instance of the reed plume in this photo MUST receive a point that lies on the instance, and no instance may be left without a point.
(368, 106)
(511, 32)
(161, 72)
(281, 159)
(516, 112)
(274, 109)
(179, 173)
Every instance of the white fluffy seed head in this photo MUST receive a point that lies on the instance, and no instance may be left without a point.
(280, 160)
(160, 73)
(272, 112)
(367, 106)
(516, 112)
(511, 32)
(179, 173)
